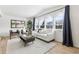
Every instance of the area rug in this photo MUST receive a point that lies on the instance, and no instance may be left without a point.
(16, 46)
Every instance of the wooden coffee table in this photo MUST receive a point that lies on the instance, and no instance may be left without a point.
(27, 39)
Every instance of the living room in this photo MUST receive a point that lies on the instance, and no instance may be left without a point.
(42, 26)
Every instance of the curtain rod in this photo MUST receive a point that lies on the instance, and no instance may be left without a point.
(50, 12)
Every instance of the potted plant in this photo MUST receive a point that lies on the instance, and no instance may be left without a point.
(29, 27)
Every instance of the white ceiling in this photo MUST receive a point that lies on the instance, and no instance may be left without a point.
(23, 10)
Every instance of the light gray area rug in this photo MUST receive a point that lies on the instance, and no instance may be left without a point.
(16, 46)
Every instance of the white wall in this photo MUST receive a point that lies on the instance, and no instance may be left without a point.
(74, 12)
(5, 22)
(59, 35)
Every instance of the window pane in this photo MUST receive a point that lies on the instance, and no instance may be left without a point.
(49, 22)
(41, 22)
(59, 20)
(36, 23)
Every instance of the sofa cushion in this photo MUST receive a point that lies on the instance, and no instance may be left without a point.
(45, 31)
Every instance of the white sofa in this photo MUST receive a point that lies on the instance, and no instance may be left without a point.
(46, 35)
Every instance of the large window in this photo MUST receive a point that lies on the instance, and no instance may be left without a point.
(50, 21)
(44, 22)
(41, 23)
(59, 20)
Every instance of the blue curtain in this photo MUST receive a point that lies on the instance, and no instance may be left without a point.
(34, 23)
(67, 33)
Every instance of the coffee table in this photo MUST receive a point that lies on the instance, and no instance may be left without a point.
(26, 39)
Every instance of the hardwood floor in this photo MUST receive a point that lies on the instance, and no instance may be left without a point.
(61, 49)
(58, 49)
